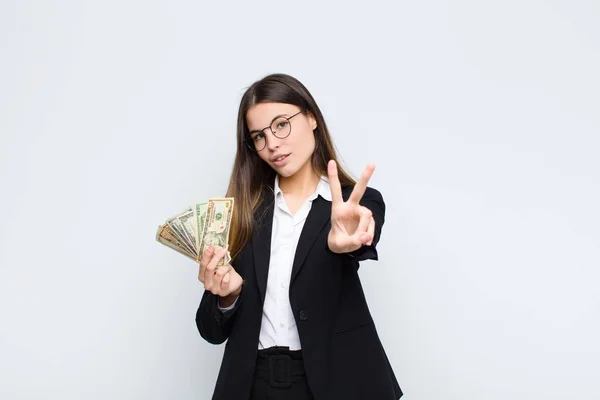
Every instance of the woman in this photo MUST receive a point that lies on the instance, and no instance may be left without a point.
(290, 303)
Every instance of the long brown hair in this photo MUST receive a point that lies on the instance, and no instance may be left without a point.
(251, 175)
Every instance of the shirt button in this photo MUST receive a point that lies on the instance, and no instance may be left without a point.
(303, 315)
(281, 325)
(282, 285)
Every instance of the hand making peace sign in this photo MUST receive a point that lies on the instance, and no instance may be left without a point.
(352, 225)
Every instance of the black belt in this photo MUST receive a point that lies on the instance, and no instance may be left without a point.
(280, 366)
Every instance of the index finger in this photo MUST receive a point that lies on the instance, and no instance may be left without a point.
(361, 185)
(204, 260)
(220, 253)
(334, 182)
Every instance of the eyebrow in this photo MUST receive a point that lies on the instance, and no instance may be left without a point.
(274, 118)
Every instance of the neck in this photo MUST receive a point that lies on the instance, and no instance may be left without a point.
(302, 183)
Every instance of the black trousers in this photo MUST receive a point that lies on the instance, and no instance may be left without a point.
(280, 374)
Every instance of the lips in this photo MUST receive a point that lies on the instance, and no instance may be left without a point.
(274, 159)
(280, 162)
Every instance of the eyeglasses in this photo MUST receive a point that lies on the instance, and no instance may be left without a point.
(280, 127)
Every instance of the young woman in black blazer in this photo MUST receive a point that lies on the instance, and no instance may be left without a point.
(290, 304)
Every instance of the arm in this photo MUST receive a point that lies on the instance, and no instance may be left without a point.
(222, 284)
(213, 324)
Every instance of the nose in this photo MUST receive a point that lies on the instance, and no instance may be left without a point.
(272, 140)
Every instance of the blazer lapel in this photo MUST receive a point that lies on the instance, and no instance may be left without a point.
(261, 242)
(319, 215)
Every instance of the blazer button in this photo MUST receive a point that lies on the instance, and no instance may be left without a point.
(303, 315)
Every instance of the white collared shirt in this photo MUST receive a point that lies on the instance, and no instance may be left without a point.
(278, 326)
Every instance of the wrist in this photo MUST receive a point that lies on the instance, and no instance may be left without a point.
(226, 301)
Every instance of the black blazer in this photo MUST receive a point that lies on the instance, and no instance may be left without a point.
(343, 356)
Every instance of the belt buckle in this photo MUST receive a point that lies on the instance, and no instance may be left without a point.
(280, 371)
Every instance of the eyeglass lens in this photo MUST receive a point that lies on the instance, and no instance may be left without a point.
(280, 127)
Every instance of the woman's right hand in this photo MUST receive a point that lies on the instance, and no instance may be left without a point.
(223, 281)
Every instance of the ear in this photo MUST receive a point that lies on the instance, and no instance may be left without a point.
(312, 121)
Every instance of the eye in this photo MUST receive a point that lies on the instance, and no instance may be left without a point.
(282, 124)
(258, 136)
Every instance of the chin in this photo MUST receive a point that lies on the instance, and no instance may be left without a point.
(286, 171)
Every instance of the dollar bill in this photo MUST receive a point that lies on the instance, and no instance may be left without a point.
(187, 220)
(200, 213)
(166, 236)
(197, 227)
(217, 223)
(179, 230)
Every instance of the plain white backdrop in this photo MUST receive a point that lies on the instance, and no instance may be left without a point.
(482, 118)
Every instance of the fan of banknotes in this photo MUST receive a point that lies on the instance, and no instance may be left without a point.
(197, 227)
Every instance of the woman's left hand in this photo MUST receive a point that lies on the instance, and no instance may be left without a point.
(352, 225)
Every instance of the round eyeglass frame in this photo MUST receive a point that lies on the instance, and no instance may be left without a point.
(249, 137)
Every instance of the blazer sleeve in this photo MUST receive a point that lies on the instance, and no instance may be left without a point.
(213, 324)
(373, 200)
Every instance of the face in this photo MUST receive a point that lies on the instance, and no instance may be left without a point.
(297, 148)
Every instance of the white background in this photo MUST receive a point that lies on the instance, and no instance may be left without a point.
(483, 121)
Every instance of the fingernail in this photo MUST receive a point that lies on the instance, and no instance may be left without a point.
(211, 248)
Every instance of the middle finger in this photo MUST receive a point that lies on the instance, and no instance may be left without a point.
(361, 185)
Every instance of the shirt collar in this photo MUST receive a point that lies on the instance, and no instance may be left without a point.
(323, 188)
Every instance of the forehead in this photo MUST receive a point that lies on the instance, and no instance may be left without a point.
(260, 115)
